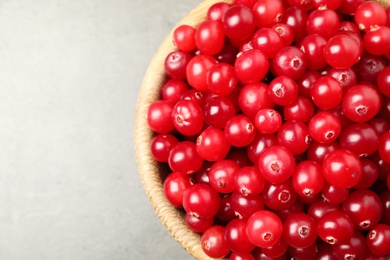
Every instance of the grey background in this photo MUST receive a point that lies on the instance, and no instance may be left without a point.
(69, 76)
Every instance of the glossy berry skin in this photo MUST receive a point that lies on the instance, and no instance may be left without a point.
(267, 12)
(240, 131)
(264, 228)
(174, 186)
(251, 66)
(184, 158)
(285, 33)
(361, 103)
(383, 81)
(158, 117)
(239, 23)
(212, 145)
(290, 62)
(368, 67)
(346, 77)
(370, 174)
(280, 196)
(369, 15)
(201, 200)
(210, 37)
(334, 195)
(313, 45)
(378, 240)
(259, 144)
(326, 92)
(384, 147)
(342, 51)
(161, 146)
(213, 242)
(221, 79)
(217, 111)
(172, 90)
(175, 64)
(198, 225)
(268, 41)
(184, 37)
(254, 97)
(324, 127)
(324, 22)
(335, 227)
(319, 208)
(342, 168)
(354, 247)
(307, 178)
(245, 205)
(318, 151)
(377, 41)
(276, 164)
(301, 109)
(217, 10)
(294, 135)
(221, 175)
(296, 18)
(360, 138)
(385, 199)
(236, 237)
(187, 117)
(248, 180)
(283, 90)
(364, 207)
(197, 69)
(299, 230)
(241, 256)
(267, 121)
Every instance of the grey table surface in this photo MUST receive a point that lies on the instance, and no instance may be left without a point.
(70, 72)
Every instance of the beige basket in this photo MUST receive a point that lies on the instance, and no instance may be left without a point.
(151, 174)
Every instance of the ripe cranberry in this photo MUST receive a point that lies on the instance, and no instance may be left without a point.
(276, 164)
(248, 180)
(335, 227)
(359, 138)
(307, 178)
(172, 90)
(236, 237)
(312, 45)
(355, 247)
(268, 41)
(370, 174)
(378, 240)
(161, 146)
(283, 90)
(254, 97)
(377, 40)
(251, 66)
(217, 10)
(301, 109)
(201, 200)
(319, 208)
(285, 32)
(290, 62)
(184, 38)
(221, 175)
(280, 196)
(239, 23)
(369, 15)
(212, 145)
(184, 158)
(299, 230)
(296, 18)
(267, 121)
(324, 22)
(334, 195)
(318, 151)
(361, 103)
(267, 12)
(384, 147)
(324, 127)
(245, 205)
(342, 51)
(260, 143)
(174, 186)
(240, 131)
(221, 79)
(294, 135)
(383, 81)
(326, 92)
(264, 228)
(213, 242)
(198, 225)
(217, 111)
(159, 117)
(176, 63)
(342, 168)
(197, 69)
(368, 67)
(187, 117)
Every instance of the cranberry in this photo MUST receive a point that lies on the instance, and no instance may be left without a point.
(212, 144)
(251, 66)
(378, 240)
(299, 230)
(213, 242)
(184, 38)
(239, 23)
(335, 227)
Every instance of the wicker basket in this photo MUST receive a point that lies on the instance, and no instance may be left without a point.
(151, 173)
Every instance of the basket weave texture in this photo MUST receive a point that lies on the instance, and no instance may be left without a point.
(150, 172)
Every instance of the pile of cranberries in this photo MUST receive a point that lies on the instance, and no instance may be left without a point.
(274, 121)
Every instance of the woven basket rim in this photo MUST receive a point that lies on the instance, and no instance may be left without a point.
(149, 169)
